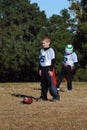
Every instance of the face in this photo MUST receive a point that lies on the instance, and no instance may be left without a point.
(45, 43)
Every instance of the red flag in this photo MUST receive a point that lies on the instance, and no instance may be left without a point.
(54, 77)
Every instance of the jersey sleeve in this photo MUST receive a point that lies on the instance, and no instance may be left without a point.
(74, 57)
(52, 53)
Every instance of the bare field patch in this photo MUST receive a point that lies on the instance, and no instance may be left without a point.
(70, 113)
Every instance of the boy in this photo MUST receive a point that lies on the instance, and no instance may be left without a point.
(69, 67)
(46, 65)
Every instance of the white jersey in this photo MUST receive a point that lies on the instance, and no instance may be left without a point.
(70, 59)
(46, 56)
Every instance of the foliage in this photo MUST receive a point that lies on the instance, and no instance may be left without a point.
(22, 25)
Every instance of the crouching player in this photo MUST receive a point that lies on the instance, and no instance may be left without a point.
(46, 71)
(69, 67)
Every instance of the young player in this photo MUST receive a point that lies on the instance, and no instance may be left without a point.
(69, 67)
(46, 71)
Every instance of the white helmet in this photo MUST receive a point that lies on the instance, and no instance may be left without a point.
(69, 49)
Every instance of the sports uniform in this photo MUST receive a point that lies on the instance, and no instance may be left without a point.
(47, 58)
(69, 67)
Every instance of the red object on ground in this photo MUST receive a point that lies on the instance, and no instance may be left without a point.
(27, 100)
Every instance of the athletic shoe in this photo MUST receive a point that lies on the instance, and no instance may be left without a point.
(56, 98)
(58, 89)
(69, 90)
(42, 98)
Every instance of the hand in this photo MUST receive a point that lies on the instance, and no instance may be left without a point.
(50, 73)
(40, 72)
(72, 68)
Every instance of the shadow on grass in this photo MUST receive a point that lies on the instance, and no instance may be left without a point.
(36, 88)
(23, 96)
(36, 99)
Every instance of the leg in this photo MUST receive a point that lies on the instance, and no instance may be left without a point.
(69, 77)
(52, 87)
(44, 88)
(61, 76)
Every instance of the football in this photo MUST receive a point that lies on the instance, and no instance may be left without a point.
(27, 100)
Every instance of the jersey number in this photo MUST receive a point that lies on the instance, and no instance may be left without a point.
(42, 59)
(65, 59)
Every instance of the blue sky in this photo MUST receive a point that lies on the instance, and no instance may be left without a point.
(51, 6)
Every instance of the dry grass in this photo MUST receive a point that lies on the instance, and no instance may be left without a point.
(70, 113)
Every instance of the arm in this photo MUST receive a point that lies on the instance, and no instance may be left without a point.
(39, 69)
(75, 60)
(75, 67)
(52, 55)
(51, 67)
(52, 64)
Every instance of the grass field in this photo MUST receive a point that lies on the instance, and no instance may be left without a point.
(70, 113)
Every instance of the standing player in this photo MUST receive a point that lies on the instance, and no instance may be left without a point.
(46, 65)
(69, 67)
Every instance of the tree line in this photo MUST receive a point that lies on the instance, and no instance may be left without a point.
(22, 26)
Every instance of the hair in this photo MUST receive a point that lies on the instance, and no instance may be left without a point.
(46, 38)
